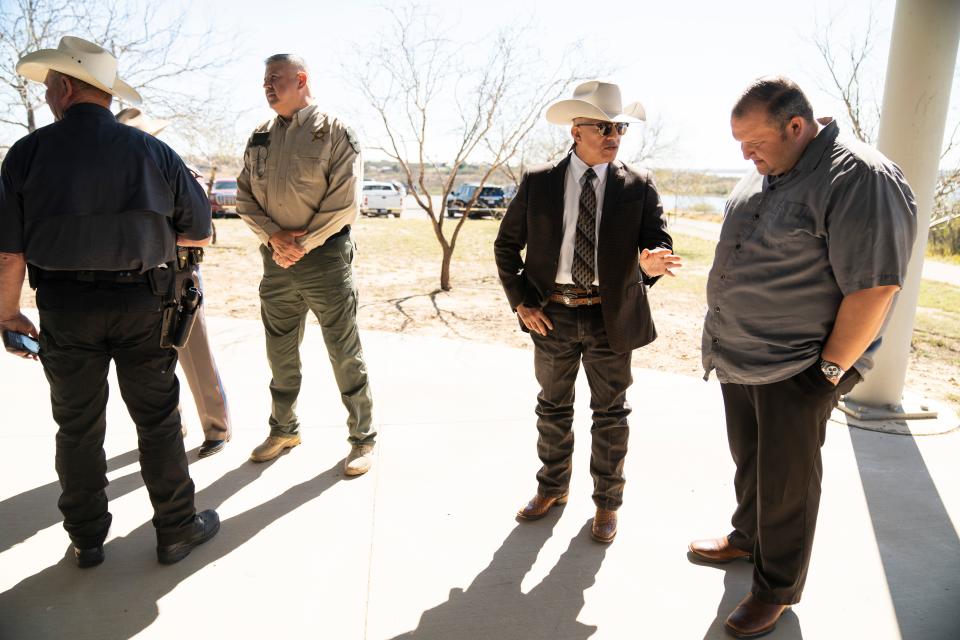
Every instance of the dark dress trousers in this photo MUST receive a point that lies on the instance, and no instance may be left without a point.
(601, 337)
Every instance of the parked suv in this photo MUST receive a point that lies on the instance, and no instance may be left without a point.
(381, 198)
(491, 202)
(223, 199)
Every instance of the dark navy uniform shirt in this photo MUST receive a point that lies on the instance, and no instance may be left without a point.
(791, 247)
(89, 193)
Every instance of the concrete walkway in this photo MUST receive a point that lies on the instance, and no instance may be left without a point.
(932, 269)
(426, 545)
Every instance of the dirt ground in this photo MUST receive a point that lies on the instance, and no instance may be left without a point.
(400, 292)
(397, 270)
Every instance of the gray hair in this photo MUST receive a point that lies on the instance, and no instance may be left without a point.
(288, 58)
(80, 85)
(780, 97)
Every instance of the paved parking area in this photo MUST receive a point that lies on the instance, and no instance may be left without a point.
(426, 545)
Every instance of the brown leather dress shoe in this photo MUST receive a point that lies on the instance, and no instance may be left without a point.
(604, 528)
(717, 550)
(753, 617)
(540, 505)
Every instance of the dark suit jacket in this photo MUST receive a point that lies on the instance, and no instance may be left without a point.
(631, 220)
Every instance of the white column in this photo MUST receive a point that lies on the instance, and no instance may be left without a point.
(916, 96)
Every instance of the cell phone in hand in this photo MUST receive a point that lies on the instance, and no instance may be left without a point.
(14, 342)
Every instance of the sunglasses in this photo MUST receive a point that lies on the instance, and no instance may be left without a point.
(605, 128)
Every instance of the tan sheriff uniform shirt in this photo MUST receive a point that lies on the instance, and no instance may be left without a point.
(301, 174)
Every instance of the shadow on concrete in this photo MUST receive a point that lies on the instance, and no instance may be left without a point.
(493, 606)
(27, 513)
(119, 598)
(918, 543)
(737, 580)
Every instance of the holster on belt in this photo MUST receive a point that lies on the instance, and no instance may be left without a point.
(190, 302)
(188, 256)
(163, 282)
(179, 317)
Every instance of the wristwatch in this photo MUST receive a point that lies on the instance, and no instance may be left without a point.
(831, 370)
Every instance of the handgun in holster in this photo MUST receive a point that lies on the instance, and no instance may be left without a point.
(179, 318)
(163, 283)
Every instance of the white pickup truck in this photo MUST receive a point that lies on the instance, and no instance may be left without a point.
(381, 199)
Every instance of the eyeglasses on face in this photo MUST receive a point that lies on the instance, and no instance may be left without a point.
(605, 128)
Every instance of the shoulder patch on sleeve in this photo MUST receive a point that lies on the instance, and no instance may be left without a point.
(352, 140)
(260, 136)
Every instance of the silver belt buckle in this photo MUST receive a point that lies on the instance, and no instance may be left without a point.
(567, 299)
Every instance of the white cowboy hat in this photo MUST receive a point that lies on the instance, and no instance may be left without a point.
(82, 60)
(139, 120)
(598, 100)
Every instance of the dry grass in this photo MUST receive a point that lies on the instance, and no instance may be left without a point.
(398, 271)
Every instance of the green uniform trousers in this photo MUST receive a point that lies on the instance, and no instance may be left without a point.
(321, 282)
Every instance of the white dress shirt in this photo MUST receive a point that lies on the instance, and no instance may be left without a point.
(571, 211)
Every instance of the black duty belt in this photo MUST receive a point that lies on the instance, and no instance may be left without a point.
(338, 234)
(131, 277)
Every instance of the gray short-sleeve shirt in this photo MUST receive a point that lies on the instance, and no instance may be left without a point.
(792, 246)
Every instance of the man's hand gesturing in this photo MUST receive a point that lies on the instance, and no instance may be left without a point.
(660, 261)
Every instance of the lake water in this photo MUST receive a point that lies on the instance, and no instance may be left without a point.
(707, 204)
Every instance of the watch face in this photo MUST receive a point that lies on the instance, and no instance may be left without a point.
(831, 370)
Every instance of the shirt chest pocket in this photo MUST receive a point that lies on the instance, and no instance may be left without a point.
(789, 223)
(308, 164)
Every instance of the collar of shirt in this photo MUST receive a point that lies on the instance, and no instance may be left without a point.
(810, 157)
(88, 109)
(578, 167)
(301, 116)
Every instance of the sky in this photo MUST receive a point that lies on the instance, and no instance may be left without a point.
(685, 60)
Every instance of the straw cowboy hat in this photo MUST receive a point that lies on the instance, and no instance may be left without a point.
(598, 100)
(139, 120)
(82, 60)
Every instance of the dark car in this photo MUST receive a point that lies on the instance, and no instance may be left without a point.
(492, 201)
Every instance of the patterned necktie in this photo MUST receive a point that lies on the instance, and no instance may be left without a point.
(584, 246)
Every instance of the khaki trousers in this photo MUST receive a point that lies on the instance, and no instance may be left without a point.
(200, 369)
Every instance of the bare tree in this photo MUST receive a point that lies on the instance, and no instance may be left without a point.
(159, 56)
(848, 81)
(655, 141)
(411, 76)
(546, 143)
(211, 135)
(851, 83)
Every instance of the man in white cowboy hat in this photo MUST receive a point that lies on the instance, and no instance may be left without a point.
(195, 357)
(94, 210)
(595, 241)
